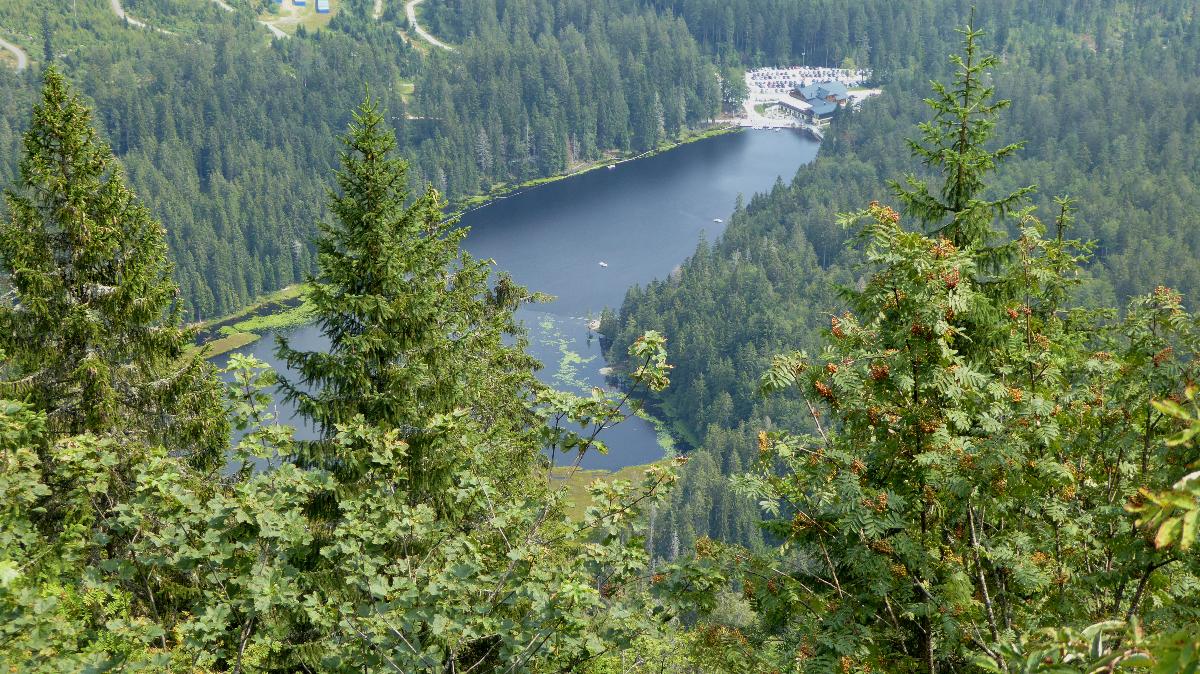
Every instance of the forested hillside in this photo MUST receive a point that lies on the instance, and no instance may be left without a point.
(538, 87)
(945, 419)
(997, 478)
(230, 134)
(1105, 98)
(132, 536)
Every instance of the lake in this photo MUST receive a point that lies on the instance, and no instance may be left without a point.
(642, 219)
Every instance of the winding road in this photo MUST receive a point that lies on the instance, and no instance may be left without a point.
(120, 12)
(22, 58)
(279, 34)
(411, 10)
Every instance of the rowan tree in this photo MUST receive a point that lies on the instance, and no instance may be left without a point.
(974, 440)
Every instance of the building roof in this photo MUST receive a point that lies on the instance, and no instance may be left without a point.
(835, 88)
(823, 90)
(822, 107)
(796, 104)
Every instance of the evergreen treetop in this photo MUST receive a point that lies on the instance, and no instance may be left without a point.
(954, 144)
(414, 329)
(92, 324)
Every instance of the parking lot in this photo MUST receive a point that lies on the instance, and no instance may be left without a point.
(784, 80)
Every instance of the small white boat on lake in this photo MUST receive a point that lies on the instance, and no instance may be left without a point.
(718, 220)
(603, 263)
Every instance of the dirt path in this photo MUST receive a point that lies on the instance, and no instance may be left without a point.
(22, 58)
(223, 5)
(378, 9)
(411, 10)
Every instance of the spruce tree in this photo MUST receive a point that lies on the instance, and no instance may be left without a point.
(434, 531)
(47, 38)
(91, 328)
(954, 144)
(414, 329)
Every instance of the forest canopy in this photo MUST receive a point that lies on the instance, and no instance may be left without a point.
(939, 390)
(229, 134)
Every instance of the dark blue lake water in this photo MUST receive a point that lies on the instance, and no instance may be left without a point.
(642, 219)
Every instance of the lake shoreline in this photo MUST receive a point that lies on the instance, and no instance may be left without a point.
(586, 241)
(270, 312)
(470, 204)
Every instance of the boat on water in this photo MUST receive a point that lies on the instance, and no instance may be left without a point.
(603, 263)
(612, 167)
(718, 220)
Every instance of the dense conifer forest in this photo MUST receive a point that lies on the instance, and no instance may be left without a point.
(231, 135)
(939, 389)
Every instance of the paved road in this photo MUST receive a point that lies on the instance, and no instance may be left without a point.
(120, 12)
(411, 10)
(279, 34)
(22, 58)
(274, 31)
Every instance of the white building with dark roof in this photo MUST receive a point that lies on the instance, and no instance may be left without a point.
(823, 99)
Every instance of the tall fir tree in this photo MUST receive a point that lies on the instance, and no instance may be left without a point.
(427, 417)
(954, 144)
(115, 554)
(92, 328)
(47, 38)
(414, 329)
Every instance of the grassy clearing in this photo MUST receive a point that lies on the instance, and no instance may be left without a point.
(577, 484)
(280, 309)
(279, 296)
(288, 16)
(287, 318)
(406, 90)
(226, 344)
